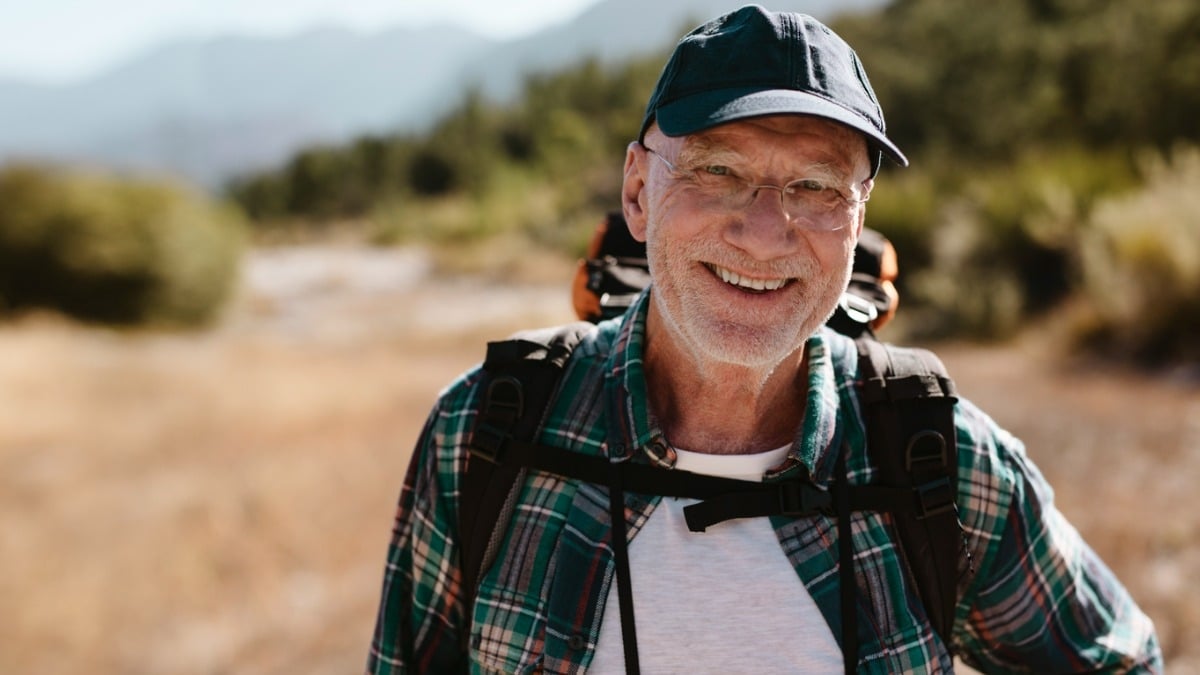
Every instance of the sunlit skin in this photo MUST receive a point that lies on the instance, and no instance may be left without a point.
(724, 364)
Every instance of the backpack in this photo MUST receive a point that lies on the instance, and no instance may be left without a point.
(908, 407)
(612, 274)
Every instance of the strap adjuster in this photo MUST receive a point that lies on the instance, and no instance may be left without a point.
(487, 442)
(934, 497)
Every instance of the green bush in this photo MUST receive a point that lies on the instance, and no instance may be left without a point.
(985, 249)
(114, 250)
(1141, 265)
(904, 206)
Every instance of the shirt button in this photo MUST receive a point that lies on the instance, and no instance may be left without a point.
(576, 642)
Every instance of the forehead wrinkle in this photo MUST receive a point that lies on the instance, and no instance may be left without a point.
(836, 142)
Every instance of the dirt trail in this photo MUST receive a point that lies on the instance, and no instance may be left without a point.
(220, 502)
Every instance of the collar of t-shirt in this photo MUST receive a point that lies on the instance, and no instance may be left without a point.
(741, 467)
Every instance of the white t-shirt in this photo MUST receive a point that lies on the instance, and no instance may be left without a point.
(721, 601)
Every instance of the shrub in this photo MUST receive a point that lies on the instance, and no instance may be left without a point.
(988, 248)
(904, 206)
(113, 250)
(1141, 265)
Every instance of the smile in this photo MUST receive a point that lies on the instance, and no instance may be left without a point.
(746, 283)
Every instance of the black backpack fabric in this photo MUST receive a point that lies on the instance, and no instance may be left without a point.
(612, 274)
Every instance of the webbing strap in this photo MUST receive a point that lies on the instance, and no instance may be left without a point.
(721, 498)
(847, 585)
(616, 512)
(784, 498)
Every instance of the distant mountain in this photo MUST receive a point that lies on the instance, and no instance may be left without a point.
(208, 110)
(616, 30)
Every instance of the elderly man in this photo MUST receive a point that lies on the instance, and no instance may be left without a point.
(758, 153)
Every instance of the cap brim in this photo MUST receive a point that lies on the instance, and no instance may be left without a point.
(701, 111)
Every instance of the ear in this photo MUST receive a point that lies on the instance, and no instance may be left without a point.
(633, 191)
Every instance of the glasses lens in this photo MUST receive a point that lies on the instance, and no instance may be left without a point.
(810, 209)
(809, 202)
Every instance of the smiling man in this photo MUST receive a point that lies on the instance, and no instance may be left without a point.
(626, 528)
(743, 274)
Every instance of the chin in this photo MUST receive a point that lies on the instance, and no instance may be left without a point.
(755, 347)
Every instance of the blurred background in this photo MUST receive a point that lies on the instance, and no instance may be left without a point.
(242, 246)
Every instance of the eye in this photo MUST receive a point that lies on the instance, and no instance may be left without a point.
(809, 185)
(718, 178)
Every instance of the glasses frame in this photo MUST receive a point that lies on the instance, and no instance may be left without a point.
(784, 190)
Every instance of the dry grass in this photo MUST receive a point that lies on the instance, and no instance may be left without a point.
(221, 502)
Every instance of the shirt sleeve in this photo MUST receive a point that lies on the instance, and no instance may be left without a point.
(417, 629)
(1040, 600)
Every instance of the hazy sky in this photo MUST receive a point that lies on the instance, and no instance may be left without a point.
(56, 41)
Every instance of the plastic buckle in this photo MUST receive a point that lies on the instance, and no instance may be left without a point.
(934, 497)
(800, 498)
(860, 310)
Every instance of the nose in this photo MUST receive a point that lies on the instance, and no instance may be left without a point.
(764, 229)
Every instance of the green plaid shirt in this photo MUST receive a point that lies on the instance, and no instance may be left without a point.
(1038, 601)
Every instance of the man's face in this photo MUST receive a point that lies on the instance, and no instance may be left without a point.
(746, 285)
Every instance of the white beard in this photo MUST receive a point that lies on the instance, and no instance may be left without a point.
(724, 334)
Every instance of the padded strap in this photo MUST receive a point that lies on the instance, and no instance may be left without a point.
(908, 401)
(522, 375)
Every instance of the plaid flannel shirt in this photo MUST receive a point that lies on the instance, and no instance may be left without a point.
(1039, 600)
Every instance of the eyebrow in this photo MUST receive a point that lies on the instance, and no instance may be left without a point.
(827, 170)
(704, 151)
(697, 150)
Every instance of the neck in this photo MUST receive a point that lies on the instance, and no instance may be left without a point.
(722, 408)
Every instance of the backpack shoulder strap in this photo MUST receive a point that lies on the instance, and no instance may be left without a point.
(908, 402)
(521, 375)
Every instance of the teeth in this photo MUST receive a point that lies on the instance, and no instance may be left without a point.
(731, 277)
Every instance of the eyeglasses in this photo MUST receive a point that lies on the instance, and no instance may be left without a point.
(809, 201)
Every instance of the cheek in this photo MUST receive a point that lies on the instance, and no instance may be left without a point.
(671, 225)
(833, 252)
